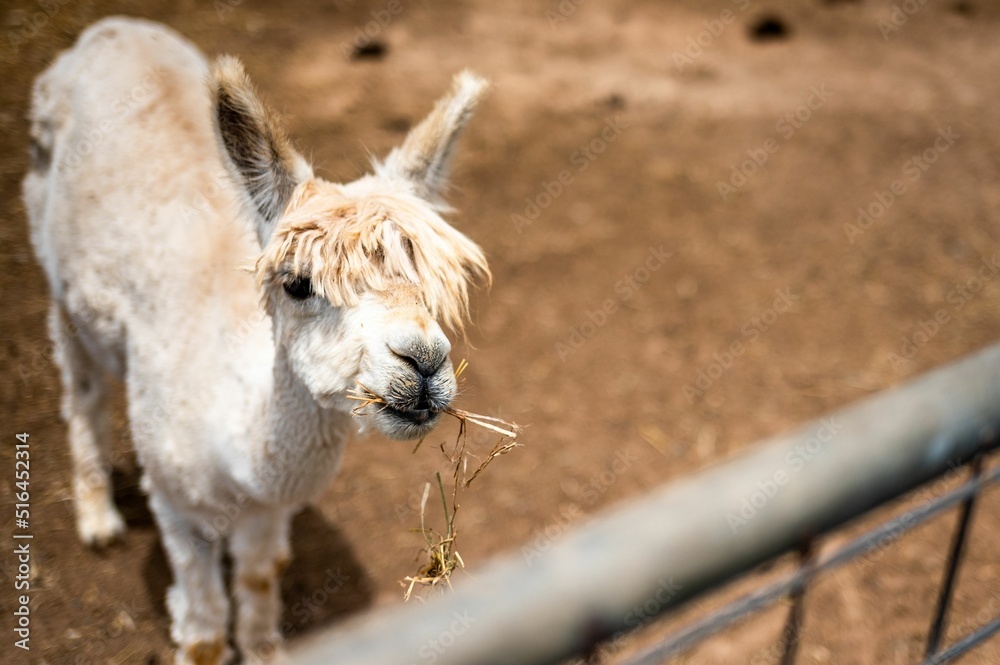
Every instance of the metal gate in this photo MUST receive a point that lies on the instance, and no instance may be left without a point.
(696, 534)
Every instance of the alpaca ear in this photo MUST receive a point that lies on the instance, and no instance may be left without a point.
(260, 156)
(423, 158)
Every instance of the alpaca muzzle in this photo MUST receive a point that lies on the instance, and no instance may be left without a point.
(417, 394)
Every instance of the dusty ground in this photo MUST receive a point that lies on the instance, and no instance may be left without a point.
(590, 393)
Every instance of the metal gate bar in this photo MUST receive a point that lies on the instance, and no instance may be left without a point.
(681, 540)
(940, 623)
(965, 644)
(744, 606)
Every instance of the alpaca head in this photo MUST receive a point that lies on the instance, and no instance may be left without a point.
(358, 278)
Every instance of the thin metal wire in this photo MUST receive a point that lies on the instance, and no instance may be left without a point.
(965, 644)
(740, 608)
(792, 633)
(940, 623)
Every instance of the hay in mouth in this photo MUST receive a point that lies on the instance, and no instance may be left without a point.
(441, 557)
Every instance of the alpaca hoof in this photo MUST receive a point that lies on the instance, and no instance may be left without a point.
(206, 652)
(100, 528)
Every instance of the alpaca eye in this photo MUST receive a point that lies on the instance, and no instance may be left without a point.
(299, 288)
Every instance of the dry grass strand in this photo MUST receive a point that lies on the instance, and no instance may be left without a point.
(442, 557)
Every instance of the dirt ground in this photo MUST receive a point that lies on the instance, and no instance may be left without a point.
(713, 164)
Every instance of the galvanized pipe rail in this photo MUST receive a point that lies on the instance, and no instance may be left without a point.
(795, 582)
(691, 535)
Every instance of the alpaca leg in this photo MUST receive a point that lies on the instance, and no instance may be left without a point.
(197, 601)
(260, 549)
(84, 408)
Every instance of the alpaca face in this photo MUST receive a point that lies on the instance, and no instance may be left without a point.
(388, 342)
(357, 277)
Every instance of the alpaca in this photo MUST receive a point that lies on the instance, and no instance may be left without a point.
(191, 252)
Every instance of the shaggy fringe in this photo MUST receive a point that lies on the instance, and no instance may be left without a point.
(348, 245)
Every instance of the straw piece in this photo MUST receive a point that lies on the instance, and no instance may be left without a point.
(442, 557)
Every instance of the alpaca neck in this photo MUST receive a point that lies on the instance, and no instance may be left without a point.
(304, 441)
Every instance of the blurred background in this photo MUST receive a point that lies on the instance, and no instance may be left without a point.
(707, 222)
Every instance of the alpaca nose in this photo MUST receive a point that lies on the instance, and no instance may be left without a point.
(426, 356)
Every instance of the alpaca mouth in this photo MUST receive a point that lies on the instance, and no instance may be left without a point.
(415, 416)
(401, 418)
(399, 423)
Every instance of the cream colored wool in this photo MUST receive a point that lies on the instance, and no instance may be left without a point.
(156, 180)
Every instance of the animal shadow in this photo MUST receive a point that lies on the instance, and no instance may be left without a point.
(130, 499)
(324, 584)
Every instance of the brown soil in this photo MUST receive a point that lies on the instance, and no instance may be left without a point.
(590, 393)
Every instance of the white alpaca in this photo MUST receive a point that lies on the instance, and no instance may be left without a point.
(236, 340)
